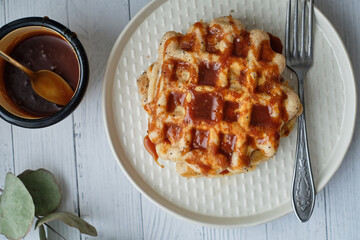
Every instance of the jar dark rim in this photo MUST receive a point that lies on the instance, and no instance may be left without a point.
(83, 69)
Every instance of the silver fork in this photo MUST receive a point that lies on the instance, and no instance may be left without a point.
(300, 58)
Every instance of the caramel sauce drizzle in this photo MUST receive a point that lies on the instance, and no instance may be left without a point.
(151, 148)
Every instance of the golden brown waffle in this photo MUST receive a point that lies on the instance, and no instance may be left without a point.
(216, 99)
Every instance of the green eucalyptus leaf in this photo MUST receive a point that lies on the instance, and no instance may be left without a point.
(69, 219)
(44, 190)
(42, 233)
(16, 209)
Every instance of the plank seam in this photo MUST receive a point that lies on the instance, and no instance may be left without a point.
(74, 140)
(129, 12)
(12, 146)
(5, 18)
(325, 209)
(76, 170)
(11, 126)
(67, 16)
(142, 217)
(266, 231)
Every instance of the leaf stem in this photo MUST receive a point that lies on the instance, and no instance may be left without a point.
(51, 228)
(55, 231)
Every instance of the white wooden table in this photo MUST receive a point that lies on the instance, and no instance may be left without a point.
(77, 152)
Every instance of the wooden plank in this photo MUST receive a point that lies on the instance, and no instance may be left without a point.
(136, 6)
(289, 227)
(161, 225)
(342, 205)
(253, 233)
(6, 152)
(106, 197)
(55, 10)
(342, 192)
(53, 147)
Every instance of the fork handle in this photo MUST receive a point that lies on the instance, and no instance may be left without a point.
(303, 192)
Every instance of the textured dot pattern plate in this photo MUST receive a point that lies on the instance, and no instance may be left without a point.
(244, 199)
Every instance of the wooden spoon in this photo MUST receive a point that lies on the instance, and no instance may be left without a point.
(47, 84)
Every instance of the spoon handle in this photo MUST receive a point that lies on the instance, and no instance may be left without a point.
(17, 64)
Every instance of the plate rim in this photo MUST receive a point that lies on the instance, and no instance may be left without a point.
(161, 201)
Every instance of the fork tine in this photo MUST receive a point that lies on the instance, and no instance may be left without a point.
(310, 40)
(302, 37)
(287, 31)
(295, 27)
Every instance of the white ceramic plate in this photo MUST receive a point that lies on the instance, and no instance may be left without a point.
(245, 199)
